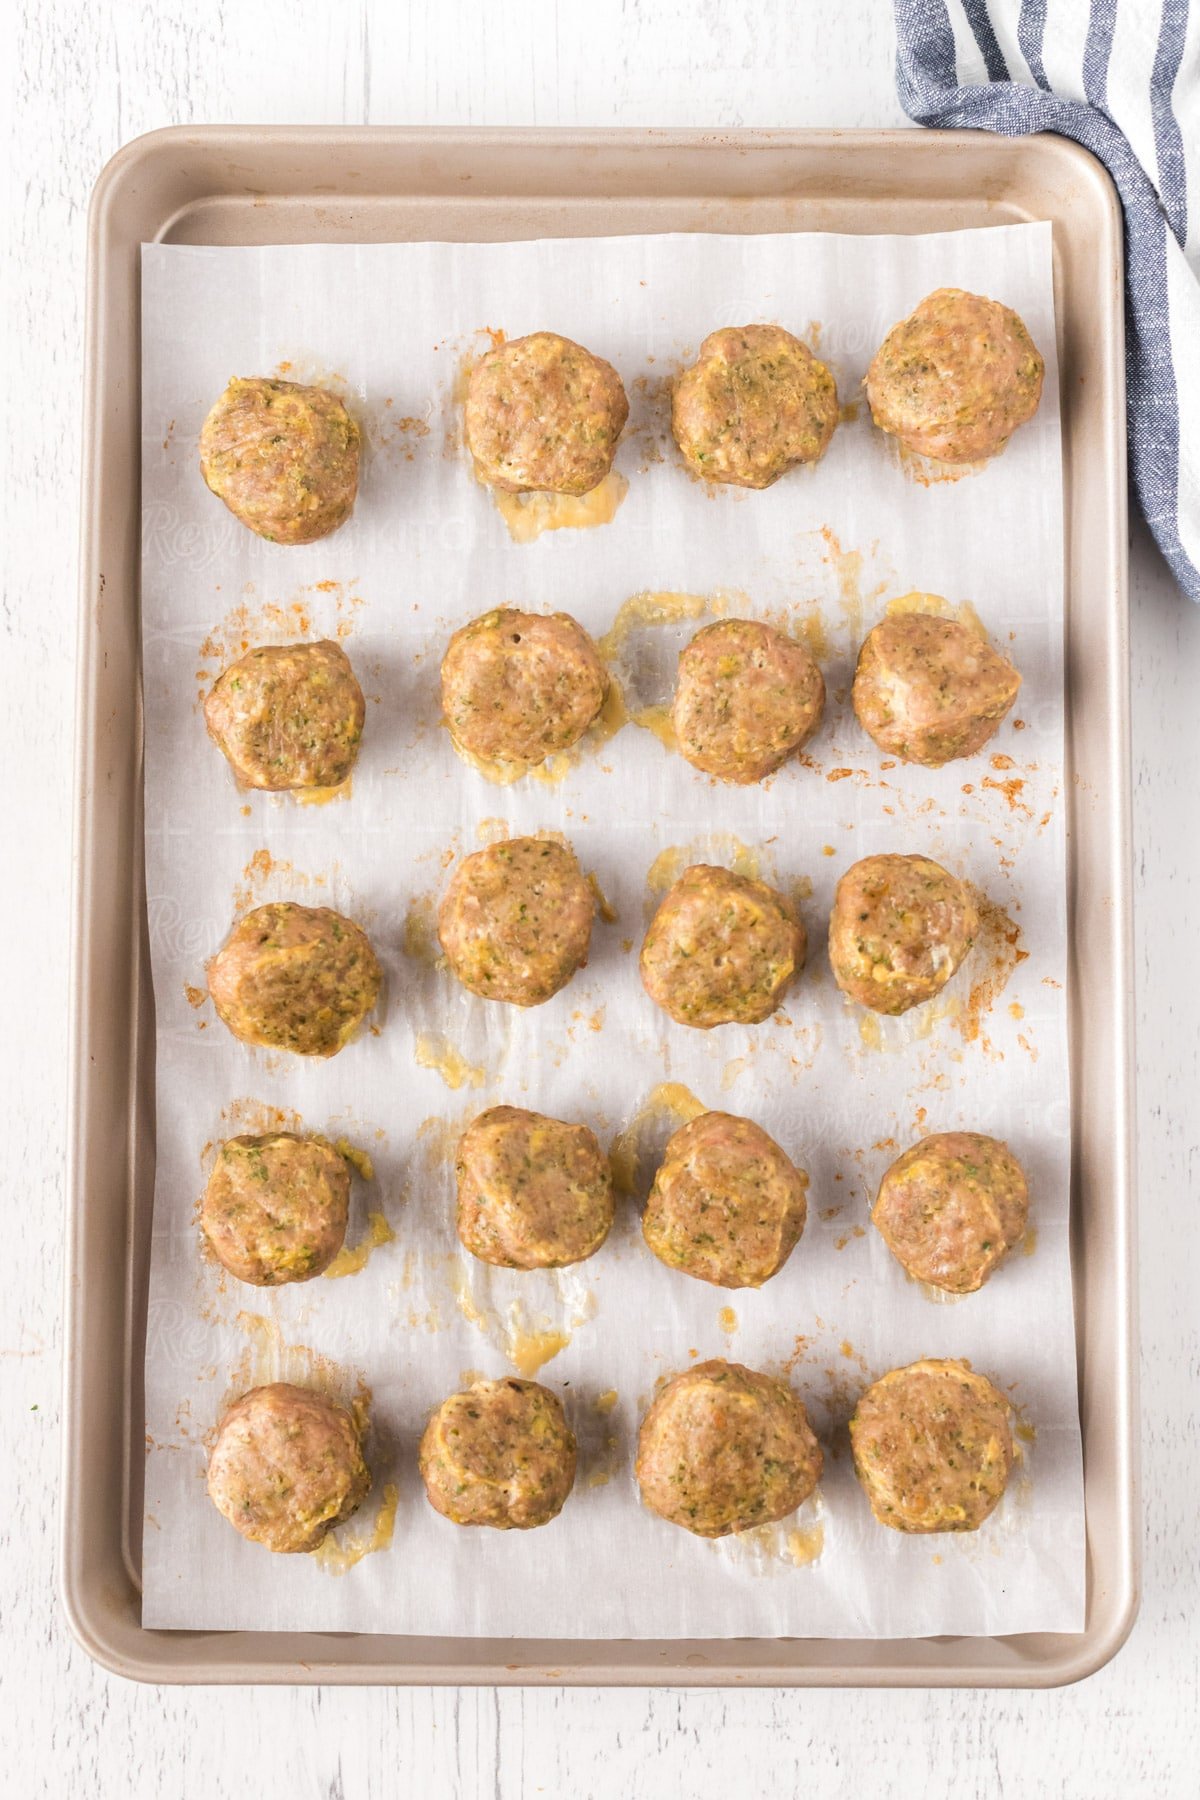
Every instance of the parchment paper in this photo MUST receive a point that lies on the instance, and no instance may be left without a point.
(823, 551)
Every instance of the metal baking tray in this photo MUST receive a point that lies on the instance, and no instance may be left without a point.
(255, 185)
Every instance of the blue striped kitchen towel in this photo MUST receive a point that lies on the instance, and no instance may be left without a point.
(1121, 77)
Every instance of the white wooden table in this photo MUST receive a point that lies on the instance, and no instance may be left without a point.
(88, 75)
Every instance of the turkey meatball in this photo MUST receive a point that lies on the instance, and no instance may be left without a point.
(543, 415)
(901, 926)
(956, 378)
(283, 458)
(516, 920)
(951, 1208)
(533, 1193)
(755, 404)
(724, 1448)
(287, 1466)
(499, 1454)
(933, 1447)
(288, 716)
(721, 949)
(291, 977)
(747, 697)
(275, 1207)
(930, 690)
(727, 1205)
(518, 686)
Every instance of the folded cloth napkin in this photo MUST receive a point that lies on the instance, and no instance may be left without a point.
(1121, 77)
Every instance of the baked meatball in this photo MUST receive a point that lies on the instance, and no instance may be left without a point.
(930, 690)
(291, 977)
(533, 1193)
(754, 404)
(955, 379)
(747, 697)
(499, 1454)
(932, 1446)
(288, 716)
(516, 920)
(724, 1448)
(727, 1205)
(543, 415)
(951, 1208)
(275, 1207)
(287, 1466)
(518, 686)
(283, 458)
(901, 926)
(721, 949)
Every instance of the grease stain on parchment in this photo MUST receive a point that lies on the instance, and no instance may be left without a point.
(639, 1144)
(938, 607)
(352, 1259)
(796, 1542)
(641, 669)
(528, 516)
(528, 1334)
(268, 1357)
(997, 954)
(347, 1545)
(433, 1051)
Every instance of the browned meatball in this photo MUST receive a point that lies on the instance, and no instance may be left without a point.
(930, 690)
(755, 404)
(727, 1205)
(746, 699)
(287, 1466)
(533, 1193)
(291, 977)
(283, 458)
(901, 926)
(288, 716)
(721, 949)
(500, 1454)
(956, 378)
(544, 415)
(275, 1207)
(724, 1448)
(933, 1447)
(516, 920)
(951, 1208)
(518, 686)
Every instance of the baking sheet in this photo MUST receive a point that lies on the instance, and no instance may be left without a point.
(826, 550)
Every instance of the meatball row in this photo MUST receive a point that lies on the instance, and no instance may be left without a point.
(543, 414)
(722, 1449)
(727, 1204)
(518, 687)
(515, 924)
